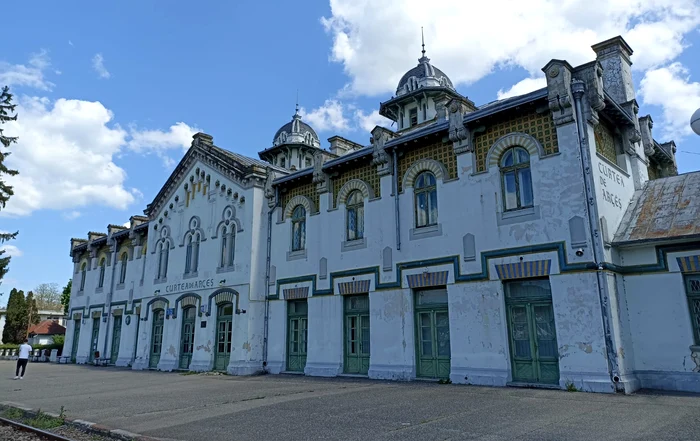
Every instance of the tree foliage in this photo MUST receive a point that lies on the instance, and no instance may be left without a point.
(65, 297)
(7, 110)
(32, 310)
(48, 297)
(16, 319)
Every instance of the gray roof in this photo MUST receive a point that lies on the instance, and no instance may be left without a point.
(247, 161)
(665, 209)
(424, 70)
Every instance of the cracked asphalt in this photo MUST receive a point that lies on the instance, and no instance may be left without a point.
(172, 406)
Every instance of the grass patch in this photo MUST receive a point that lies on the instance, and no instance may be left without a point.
(189, 373)
(12, 413)
(44, 422)
(444, 381)
(571, 387)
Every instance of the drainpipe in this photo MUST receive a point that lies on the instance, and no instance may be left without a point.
(395, 176)
(267, 278)
(108, 302)
(577, 88)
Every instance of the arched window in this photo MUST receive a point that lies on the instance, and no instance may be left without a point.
(228, 246)
(282, 162)
(355, 206)
(163, 251)
(101, 280)
(425, 191)
(516, 179)
(298, 228)
(83, 275)
(122, 271)
(192, 257)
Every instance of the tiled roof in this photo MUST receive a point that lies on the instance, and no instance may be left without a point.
(247, 161)
(47, 327)
(666, 208)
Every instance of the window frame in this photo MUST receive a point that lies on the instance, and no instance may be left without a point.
(427, 190)
(83, 276)
(101, 277)
(515, 169)
(123, 259)
(163, 250)
(411, 114)
(691, 297)
(299, 218)
(358, 207)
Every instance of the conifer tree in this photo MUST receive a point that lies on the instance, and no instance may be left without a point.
(16, 319)
(32, 310)
(6, 114)
(65, 297)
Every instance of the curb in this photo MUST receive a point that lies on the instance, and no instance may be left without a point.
(88, 426)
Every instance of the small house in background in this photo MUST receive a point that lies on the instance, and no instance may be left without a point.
(44, 332)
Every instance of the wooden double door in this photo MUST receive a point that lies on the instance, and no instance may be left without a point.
(224, 333)
(356, 312)
(116, 339)
(156, 338)
(432, 323)
(297, 334)
(532, 332)
(76, 340)
(187, 337)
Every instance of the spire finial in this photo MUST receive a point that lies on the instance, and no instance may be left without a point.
(296, 111)
(422, 39)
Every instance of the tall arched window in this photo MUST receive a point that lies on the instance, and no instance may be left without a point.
(83, 275)
(192, 257)
(228, 246)
(355, 206)
(163, 251)
(122, 271)
(299, 228)
(516, 179)
(425, 191)
(101, 280)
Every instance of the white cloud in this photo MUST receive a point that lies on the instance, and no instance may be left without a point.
(31, 75)
(523, 87)
(177, 137)
(64, 156)
(367, 122)
(377, 42)
(671, 88)
(99, 66)
(329, 116)
(11, 251)
(70, 215)
(70, 43)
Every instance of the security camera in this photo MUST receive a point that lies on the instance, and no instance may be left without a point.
(579, 252)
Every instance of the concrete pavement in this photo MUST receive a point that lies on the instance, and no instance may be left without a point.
(204, 407)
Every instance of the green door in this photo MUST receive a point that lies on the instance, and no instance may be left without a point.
(432, 334)
(533, 339)
(187, 337)
(357, 334)
(224, 329)
(116, 338)
(76, 340)
(95, 337)
(156, 338)
(297, 333)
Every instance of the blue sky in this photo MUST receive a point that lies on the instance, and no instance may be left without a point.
(111, 94)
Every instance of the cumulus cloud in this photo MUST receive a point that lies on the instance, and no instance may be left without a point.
(376, 42)
(70, 215)
(671, 88)
(369, 121)
(159, 142)
(329, 116)
(31, 75)
(10, 251)
(98, 64)
(522, 87)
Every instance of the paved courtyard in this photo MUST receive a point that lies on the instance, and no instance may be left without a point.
(172, 406)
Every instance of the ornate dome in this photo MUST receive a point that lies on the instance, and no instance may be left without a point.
(423, 75)
(296, 132)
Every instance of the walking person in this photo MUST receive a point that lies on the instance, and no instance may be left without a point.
(24, 350)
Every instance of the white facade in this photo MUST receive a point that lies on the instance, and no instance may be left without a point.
(412, 257)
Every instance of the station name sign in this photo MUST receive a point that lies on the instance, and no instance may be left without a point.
(187, 286)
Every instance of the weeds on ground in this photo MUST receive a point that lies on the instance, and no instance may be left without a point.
(189, 373)
(44, 422)
(444, 381)
(12, 413)
(571, 387)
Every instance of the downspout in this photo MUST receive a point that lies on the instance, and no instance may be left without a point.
(395, 177)
(267, 278)
(577, 88)
(108, 303)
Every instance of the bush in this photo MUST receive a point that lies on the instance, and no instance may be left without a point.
(59, 339)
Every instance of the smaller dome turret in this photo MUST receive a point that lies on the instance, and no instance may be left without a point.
(296, 132)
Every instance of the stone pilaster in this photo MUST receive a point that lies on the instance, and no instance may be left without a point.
(459, 134)
(559, 76)
(380, 157)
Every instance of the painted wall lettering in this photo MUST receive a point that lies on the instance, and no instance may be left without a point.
(184, 286)
(608, 175)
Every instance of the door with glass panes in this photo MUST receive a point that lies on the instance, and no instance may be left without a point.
(76, 340)
(156, 338)
(187, 337)
(224, 331)
(432, 333)
(356, 334)
(532, 333)
(116, 338)
(297, 332)
(95, 337)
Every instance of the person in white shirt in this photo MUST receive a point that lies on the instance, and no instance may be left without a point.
(24, 350)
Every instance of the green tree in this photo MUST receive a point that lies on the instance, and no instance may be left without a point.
(65, 297)
(6, 114)
(32, 310)
(16, 318)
